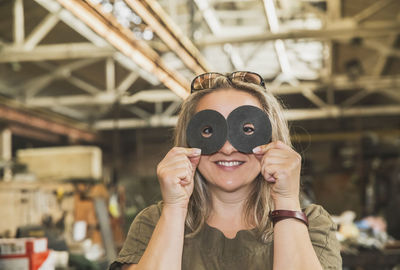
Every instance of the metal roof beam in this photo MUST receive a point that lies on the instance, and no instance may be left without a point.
(76, 114)
(35, 85)
(341, 29)
(16, 113)
(11, 53)
(383, 58)
(132, 123)
(371, 10)
(173, 107)
(104, 98)
(336, 112)
(307, 89)
(127, 82)
(211, 19)
(129, 64)
(153, 14)
(123, 39)
(66, 17)
(339, 83)
(18, 24)
(279, 45)
(291, 115)
(41, 30)
(384, 50)
(110, 75)
(333, 13)
(139, 112)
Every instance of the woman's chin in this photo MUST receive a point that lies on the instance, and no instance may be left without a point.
(230, 185)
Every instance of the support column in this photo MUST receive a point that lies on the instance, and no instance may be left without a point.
(110, 75)
(6, 153)
(334, 13)
(18, 27)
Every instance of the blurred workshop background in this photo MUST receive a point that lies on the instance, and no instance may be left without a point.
(89, 96)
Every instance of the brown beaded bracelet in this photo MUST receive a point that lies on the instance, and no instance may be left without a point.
(278, 215)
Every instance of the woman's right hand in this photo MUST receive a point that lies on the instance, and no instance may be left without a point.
(175, 174)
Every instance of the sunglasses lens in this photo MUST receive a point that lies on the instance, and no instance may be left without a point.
(248, 77)
(204, 81)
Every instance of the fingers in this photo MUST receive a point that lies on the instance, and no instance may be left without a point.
(273, 166)
(184, 176)
(181, 154)
(262, 149)
(278, 160)
(193, 154)
(189, 152)
(270, 173)
(179, 163)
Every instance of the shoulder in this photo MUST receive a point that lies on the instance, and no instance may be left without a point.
(151, 213)
(139, 234)
(318, 216)
(154, 208)
(322, 232)
(315, 210)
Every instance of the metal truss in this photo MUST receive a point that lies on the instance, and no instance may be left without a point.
(27, 49)
(98, 50)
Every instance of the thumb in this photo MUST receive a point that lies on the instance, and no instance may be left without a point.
(195, 158)
(195, 161)
(259, 152)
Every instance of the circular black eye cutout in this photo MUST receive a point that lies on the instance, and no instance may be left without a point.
(248, 127)
(207, 130)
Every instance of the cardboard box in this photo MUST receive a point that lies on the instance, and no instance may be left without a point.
(59, 163)
(25, 254)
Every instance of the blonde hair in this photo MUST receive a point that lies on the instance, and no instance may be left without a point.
(259, 202)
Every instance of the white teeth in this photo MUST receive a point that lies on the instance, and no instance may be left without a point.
(229, 163)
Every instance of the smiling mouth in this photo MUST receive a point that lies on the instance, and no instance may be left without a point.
(229, 163)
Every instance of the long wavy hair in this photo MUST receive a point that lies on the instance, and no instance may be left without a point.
(258, 203)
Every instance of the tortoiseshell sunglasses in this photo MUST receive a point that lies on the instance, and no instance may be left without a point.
(207, 80)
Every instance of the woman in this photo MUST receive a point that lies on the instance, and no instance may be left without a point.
(215, 212)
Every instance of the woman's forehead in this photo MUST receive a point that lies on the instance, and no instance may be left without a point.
(225, 101)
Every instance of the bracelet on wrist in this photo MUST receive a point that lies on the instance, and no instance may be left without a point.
(278, 215)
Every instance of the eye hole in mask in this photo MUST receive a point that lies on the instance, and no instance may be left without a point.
(207, 132)
(245, 128)
(248, 129)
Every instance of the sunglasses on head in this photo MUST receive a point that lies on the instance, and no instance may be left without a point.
(207, 80)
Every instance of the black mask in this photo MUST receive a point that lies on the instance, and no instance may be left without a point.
(245, 128)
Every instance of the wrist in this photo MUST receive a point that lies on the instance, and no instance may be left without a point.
(292, 204)
(174, 210)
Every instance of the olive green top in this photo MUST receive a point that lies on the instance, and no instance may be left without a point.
(211, 250)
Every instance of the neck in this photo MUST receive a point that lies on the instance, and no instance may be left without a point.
(228, 207)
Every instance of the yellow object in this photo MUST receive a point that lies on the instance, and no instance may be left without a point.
(113, 206)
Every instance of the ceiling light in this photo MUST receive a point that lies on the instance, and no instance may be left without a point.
(107, 8)
(147, 34)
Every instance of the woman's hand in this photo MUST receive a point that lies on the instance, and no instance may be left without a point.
(281, 165)
(175, 174)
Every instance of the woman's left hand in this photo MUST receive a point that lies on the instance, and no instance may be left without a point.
(280, 166)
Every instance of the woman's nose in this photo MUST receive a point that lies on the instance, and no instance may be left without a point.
(227, 148)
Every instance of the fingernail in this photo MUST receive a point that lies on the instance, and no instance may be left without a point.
(271, 180)
(257, 150)
(197, 151)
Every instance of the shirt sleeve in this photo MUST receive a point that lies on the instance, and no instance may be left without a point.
(138, 236)
(322, 232)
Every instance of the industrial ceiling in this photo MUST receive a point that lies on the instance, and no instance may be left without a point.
(127, 64)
